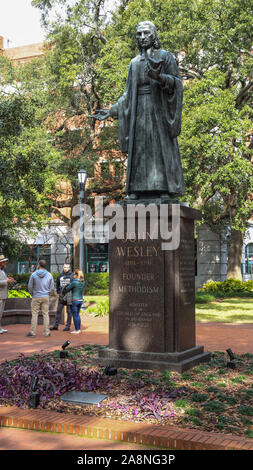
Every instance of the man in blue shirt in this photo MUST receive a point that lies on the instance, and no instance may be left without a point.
(41, 283)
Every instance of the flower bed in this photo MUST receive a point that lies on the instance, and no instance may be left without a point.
(209, 397)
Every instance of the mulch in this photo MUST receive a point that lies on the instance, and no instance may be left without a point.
(210, 397)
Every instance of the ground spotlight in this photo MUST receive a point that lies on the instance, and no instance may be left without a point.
(63, 353)
(34, 399)
(231, 364)
(230, 353)
(110, 370)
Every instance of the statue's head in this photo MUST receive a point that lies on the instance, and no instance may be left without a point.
(146, 35)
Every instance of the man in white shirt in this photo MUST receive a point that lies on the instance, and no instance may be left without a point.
(4, 281)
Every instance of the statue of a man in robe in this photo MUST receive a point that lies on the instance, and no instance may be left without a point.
(149, 116)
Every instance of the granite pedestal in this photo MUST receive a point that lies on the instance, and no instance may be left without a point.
(152, 292)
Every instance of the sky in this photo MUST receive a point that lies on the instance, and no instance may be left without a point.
(20, 23)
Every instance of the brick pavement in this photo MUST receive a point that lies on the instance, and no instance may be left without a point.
(213, 336)
(23, 439)
(170, 437)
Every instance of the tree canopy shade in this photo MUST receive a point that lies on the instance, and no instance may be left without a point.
(27, 161)
(212, 43)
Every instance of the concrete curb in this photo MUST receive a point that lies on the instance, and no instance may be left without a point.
(169, 437)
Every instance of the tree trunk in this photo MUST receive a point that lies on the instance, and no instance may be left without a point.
(234, 255)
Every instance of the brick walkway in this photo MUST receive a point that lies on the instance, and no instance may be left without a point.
(214, 336)
(170, 437)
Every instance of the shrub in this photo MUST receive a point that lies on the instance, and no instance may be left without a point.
(228, 288)
(181, 403)
(100, 309)
(203, 297)
(13, 294)
(194, 412)
(246, 410)
(97, 283)
(199, 397)
(249, 393)
(227, 399)
(214, 406)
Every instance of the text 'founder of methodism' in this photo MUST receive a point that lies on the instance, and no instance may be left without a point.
(149, 116)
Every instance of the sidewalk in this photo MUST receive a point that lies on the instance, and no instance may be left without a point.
(108, 433)
(213, 336)
(166, 437)
(22, 439)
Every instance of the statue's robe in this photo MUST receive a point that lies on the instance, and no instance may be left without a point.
(149, 115)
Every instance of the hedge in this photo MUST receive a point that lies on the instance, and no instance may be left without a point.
(228, 288)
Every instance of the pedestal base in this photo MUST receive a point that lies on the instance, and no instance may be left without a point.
(177, 361)
(152, 292)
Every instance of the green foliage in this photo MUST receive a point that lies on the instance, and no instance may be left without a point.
(227, 399)
(214, 406)
(199, 397)
(21, 293)
(216, 67)
(97, 283)
(227, 288)
(203, 297)
(211, 40)
(246, 410)
(213, 389)
(186, 376)
(249, 393)
(194, 412)
(28, 160)
(166, 376)
(182, 403)
(239, 379)
(100, 309)
(77, 39)
(21, 279)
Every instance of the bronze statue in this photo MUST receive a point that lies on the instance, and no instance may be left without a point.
(149, 115)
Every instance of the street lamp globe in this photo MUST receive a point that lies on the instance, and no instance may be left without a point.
(82, 178)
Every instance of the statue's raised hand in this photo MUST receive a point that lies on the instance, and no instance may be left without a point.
(153, 68)
(101, 114)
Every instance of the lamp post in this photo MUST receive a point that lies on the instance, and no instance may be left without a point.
(82, 178)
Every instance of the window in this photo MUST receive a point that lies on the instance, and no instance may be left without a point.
(30, 257)
(249, 258)
(97, 258)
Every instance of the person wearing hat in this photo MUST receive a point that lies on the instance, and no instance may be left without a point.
(4, 281)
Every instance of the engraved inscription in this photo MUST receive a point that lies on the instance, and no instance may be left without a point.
(139, 279)
(187, 271)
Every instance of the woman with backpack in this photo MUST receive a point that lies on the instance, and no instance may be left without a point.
(77, 288)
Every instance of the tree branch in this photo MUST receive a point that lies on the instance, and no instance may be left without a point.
(61, 216)
(242, 94)
(228, 77)
(63, 204)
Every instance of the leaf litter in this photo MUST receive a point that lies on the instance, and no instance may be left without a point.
(210, 396)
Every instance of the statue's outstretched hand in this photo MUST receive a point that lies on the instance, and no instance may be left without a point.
(101, 114)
